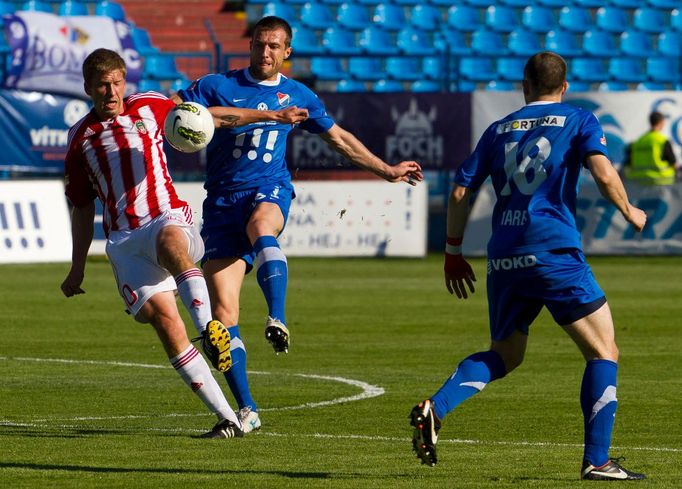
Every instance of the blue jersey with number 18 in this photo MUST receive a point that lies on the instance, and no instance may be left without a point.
(534, 157)
(249, 156)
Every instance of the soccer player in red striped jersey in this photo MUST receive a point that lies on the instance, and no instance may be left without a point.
(115, 153)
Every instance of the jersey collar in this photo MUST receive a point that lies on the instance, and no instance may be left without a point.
(266, 83)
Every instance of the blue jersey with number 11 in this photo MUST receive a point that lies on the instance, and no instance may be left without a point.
(534, 157)
(249, 156)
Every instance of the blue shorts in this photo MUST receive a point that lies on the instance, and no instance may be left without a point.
(227, 213)
(519, 286)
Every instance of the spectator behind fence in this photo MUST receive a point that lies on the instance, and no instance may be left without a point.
(650, 160)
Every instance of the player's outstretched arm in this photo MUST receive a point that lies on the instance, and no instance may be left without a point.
(458, 273)
(350, 147)
(611, 187)
(82, 231)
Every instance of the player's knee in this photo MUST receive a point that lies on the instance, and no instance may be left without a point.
(226, 314)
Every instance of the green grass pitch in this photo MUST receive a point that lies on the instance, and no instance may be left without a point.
(88, 399)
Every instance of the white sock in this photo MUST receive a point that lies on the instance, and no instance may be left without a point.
(197, 375)
(194, 295)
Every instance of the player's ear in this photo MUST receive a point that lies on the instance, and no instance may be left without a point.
(287, 52)
(86, 88)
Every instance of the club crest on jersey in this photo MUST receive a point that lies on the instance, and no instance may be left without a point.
(139, 125)
(283, 99)
(262, 106)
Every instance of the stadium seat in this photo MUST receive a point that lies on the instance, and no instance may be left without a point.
(488, 42)
(333, 2)
(338, 40)
(463, 18)
(315, 15)
(110, 9)
(36, 6)
(452, 42)
(433, 67)
(600, 43)
(510, 69)
(142, 41)
(589, 3)
(389, 16)
(353, 16)
(327, 68)
(443, 3)
(388, 86)
(576, 86)
(477, 69)
(363, 2)
(72, 7)
(499, 86)
(629, 4)
(404, 68)
(649, 86)
(538, 19)
(279, 9)
(149, 85)
(552, 3)
(611, 19)
(464, 86)
(425, 86)
(649, 20)
(426, 17)
(663, 4)
(669, 43)
(612, 86)
(575, 19)
(663, 70)
(365, 69)
(161, 66)
(563, 42)
(628, 70)
(305, 41)
(346, 86)
(676, 19)
(408, 3)
(415, 41)
(523, 42)
(374, 40)
(179, 84)
(515, 3)
(635, 43)
(588, 70)
(501, 19)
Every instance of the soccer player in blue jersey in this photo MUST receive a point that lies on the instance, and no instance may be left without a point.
(249, 189)
(534, 157)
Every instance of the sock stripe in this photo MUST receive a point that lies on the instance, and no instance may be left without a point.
(186, 275)
(185, 358)
(271, 253)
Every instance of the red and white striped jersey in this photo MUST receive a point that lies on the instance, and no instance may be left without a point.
(122, 162)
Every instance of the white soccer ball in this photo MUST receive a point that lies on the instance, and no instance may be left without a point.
(189, 127)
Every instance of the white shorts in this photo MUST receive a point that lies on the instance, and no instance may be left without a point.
(132, 254)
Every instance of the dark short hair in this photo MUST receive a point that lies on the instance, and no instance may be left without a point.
(102, 61)
(655, 117)
(271, 23)
(545, 72)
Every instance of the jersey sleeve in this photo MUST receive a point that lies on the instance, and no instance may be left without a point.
(201, 90)
(592, 138)
(78, 187)
(476, 168)
(318, 120)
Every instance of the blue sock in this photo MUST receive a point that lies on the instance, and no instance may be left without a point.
(598, 402)
(236, 376)
(272, 274)
(472, 375)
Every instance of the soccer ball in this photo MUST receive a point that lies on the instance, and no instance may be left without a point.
(189, 127)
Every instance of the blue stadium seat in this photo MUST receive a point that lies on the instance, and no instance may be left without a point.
(676, 19)
(366, 69)
(514, 3)
(477, 69)
(36, 6)
(408, 3)
(346, 86)
(353, 16)
(374, 40)
(589, 3)
(389, 16)
(110, 9)
(443, 3)
(501, 19)
(538, 19)
(611, 19)
(523, 42)
(279, 9)
(142, 41)
(563, 42)
(664, 4)
(669, 43)
(663, 70)
(179, 84)
(510, 69)
(452, 41)
(427, 17)
(72, 7)
(600, 43)
(315, 15)
(629, 4)
(628, 70)
(425, 86)
(388, 86)
(579, 86)
(552, 3)
(463, 18)
(415, 41)
(588, 70)
(635, 43)
(161, 66)
(305, 41)
(433, 67)
(363, 2)
(488, 42)
(649, 86)
(327, 68)
(499, 86)
(649, 20)
(338, 40)
(404, 68)
(575, 19)
(149, 85)
(612, 86)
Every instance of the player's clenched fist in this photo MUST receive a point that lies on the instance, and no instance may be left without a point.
(457, 270)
